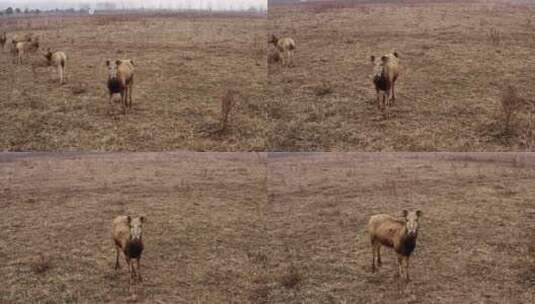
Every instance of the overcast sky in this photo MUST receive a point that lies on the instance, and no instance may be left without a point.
(173, 4)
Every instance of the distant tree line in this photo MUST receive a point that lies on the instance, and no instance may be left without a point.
(16, 11)
(86, 8)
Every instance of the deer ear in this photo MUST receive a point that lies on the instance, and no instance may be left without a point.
(142, 219)
(128, 219)
(118, 62)
(418, 213)
(405, 213)
(372, 58)
(108, 62)
(384, 59)
(396, 54)
(132, 62)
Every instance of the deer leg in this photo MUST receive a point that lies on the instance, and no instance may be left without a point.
(379, 262)
(393, 92)
(387, 97)
(374, 246)
(140, 279)
(373, 258)
(126, 95)
(291, 55)
(133, 274)
(378, 99)
(129, 262)
(290, 58)
(289, 62)
(111, 103)
(127, 92)
(130, 92)
(407, 269)
(400, 263)
(60, 75)
(117, 266)
(124, 92)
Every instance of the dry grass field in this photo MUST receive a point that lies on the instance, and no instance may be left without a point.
(185, 64)
(475, 243)
(202, 238)
(257, 228)
(457, 61)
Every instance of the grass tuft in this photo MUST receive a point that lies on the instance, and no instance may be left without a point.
(41, 264)
(291, 278)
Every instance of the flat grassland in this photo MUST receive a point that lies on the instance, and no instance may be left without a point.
(475, 243)
(251, 228)
(185, 64)
(457, 61)
(203, 232)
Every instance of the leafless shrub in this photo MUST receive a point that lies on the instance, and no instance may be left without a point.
(41, 264)
(79, 89)
(495, 36)
(323, 89)
(528, 134)
(260, 294)
(259, 50)
(530, 18)
(227, 103)
(510, 104)
(291, 278)
(276, 109)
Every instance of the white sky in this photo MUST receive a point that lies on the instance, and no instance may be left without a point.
(174, 4)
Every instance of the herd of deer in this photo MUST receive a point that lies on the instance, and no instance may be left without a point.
(399, 233)
(120, 72)
(28, 44)
(385, 69)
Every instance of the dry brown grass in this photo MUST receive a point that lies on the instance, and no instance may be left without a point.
(257, 228)
(448, 92)
(183, 64)
(476, 236)
(204, 226)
